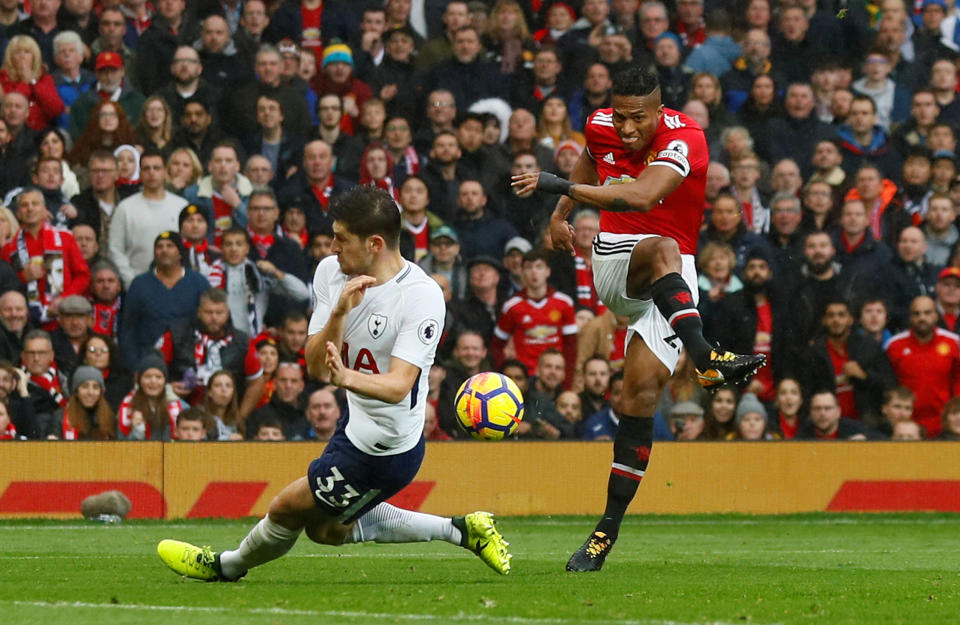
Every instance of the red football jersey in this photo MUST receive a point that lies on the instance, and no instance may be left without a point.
(536, 325)
(931, 370)
(678, 144)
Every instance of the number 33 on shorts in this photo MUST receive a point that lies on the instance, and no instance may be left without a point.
(334, 490)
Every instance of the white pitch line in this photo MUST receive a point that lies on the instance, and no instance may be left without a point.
(376, 616)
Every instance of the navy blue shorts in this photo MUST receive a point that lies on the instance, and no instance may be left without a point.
(347, 482)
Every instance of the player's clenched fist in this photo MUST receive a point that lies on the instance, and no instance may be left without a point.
(353, 292)
(561, 233)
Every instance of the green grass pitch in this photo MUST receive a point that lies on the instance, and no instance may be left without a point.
(811, 569)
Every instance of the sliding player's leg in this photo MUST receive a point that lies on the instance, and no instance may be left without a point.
(477, 532)
(275, 534)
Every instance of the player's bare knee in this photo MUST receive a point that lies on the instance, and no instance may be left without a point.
(666, 259)
(640, 400)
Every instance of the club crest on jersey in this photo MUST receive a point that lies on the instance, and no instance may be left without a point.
(673, 122)
(428, 331)
(376, 324)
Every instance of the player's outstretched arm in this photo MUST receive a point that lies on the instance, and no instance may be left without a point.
(316, 348)
(652, 185)
(584, 172)
(390, 387)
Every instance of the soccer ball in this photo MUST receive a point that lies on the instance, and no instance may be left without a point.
(489, 406)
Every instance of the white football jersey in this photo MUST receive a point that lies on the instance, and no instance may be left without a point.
(402, 318)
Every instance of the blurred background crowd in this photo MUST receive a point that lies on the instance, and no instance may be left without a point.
(166, 171)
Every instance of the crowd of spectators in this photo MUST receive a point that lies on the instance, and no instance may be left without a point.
(166, 172)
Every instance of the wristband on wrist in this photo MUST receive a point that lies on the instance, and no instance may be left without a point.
(549, 183)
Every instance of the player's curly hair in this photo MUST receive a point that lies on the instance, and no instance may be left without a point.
(635, 80)
(367, 211)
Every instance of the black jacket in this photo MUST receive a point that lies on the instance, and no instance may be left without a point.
(292, 418)
(232, 355)
(734, 326)
(817, 374)
(156, 47)
(239, 109)
(298, 191)
(845, 429)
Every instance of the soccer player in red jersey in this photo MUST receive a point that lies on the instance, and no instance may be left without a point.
(645, 167)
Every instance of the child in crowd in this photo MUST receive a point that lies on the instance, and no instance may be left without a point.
(248, 284)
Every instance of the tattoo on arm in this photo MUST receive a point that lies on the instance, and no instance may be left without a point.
(619, 204)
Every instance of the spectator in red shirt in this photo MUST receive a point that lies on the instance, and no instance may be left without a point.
(23, 72)
(849, 364)
(47, 260)
(926, 360)
(537, 318)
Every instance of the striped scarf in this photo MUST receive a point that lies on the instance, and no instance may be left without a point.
(586, 292)
(49, 381)
(253, 285)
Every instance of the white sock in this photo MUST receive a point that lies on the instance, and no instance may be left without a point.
(266, 541)
(389, 524)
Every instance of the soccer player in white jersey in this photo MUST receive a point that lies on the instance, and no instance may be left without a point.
(374, 332)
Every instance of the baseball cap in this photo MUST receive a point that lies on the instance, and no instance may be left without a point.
(949, 272)
(75, 305)
(939, 3)
(288, 46)
(517, 243)
(484, 260)
(108, 59)
(444, 232)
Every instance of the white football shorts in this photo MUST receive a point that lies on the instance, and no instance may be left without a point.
(611, 264)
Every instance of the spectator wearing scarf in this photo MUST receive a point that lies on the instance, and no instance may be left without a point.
(47, 260)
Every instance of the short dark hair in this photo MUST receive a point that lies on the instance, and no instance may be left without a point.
(152, 153)
(102, 155)
(194, 99)
(718, 20)
(368, 211)
(836, 301)
(468, 116)
(898, 392)
(636, 80)
(513, 362)
(196, 413)
(269, 422)
(236, 230)
(294, 314)
(537, 253)
(229, 143)
(616, 377)
(864, 98)
(214, 296)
